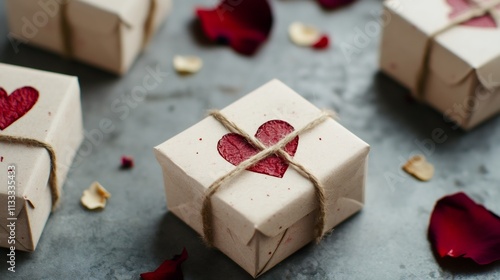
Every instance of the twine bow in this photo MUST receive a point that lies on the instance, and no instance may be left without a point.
(206, 211)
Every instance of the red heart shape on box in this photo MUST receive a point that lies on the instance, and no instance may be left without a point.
(235, 148)
(461, 6)
(16, 105)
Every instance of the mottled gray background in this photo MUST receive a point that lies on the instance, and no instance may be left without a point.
(135, 233)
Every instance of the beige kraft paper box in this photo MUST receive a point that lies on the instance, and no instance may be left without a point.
(108, 34)
(259, 220)
(462, 73)
(54, 119)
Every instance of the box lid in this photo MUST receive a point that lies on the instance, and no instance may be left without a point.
(476, 47)
(38, 123)
(105, 16)
(253, 201)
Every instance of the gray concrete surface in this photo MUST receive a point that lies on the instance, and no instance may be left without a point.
(135, 233)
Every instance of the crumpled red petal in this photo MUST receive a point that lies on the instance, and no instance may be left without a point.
(169, 269)
(323, 43)
(461, 228)
(334, 4)
(242, 24)
(460, 6)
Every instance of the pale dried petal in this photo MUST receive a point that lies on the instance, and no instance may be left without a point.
(304, 35)
(187, 64)
(95, 197)
(418, 167)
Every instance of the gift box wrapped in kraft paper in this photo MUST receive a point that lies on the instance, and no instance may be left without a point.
(264, 176)
(447, 54)
(40, 133)
(106, 34)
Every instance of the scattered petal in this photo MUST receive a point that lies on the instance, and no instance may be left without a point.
(244, 25)
(95, 197)
(323, 43)
(334, 4)
(169, 269)
(418, 167)
(461, 228)
(127, 162)
(305, 35)
(187, 64)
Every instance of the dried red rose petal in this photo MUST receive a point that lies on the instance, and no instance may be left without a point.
(460, 228)
(127, 162)
(323, 43)
(169, 269)
(244, 25)
(334, 4)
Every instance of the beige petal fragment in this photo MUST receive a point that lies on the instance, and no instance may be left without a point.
(95, 197)
(303, 35)
(187, 64)
(418, 167)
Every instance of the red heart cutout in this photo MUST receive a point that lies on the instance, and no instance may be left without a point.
(16, 105)
(460, 6)
(235, 148)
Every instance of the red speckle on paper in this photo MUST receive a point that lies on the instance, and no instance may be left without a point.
(127, 162)
(235, 148)
(201, 139)
(270, 253)
(16, 105)
(288, 240)
(1, 159)
(461, 228)
(320, 139)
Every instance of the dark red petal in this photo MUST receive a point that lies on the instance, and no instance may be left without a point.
(333, 4)
(460, 228)
(322, 43)
(461, 6)
(127, 162)
(242, 24)
(169, 269)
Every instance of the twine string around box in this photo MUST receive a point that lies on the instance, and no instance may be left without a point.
(481, 8)
(206, 211)
(53, 184)
(67, 32)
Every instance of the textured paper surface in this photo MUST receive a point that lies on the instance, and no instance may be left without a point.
(106, 34)
(254, 212)
(463, 60)
(55, 119)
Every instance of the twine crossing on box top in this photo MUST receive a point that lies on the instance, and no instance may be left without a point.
(53, 182)
(67, 32)
(206, 211)
(480, 8)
